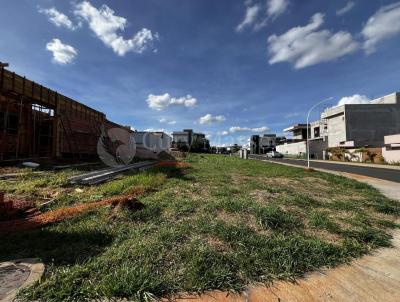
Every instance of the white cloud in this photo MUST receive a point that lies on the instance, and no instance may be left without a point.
(354, 99)
(105, 24)
(385, 23)
(260, 129)
(223, 133)
(62, 53)
(250, 17)
(166, 121)
(58, 18)
(211, 119)
(276, 8)
(348, 7)
(272, 10)
(247, 129)
(305, 46)
(157, 130)
(160, 102)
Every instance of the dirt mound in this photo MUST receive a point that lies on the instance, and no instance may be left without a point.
(165, 156)
(178, 154)
(14, 208)
(129, 204)
(36, 221)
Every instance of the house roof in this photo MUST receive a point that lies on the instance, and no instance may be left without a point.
(295, 127)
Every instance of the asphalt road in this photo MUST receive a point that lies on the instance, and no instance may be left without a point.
(381, 173)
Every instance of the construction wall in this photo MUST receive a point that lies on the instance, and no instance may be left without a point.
(298, 148)
(368, 124)
(18, 126)
(317, 147)
(37, 122)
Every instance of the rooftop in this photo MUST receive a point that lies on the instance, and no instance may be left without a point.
(390, 99)
(295, 127)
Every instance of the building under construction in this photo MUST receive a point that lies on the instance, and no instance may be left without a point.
(37, 122)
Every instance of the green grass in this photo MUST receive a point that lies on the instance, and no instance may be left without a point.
(224, 223)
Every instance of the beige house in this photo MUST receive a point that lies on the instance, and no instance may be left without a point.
(391, 150)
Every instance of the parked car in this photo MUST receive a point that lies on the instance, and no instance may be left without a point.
(274, 154)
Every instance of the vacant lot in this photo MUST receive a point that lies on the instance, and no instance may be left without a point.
(220, 223)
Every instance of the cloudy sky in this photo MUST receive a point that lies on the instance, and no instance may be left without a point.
(227, 68)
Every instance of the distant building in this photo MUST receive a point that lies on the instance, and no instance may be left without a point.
(151, 142)
(219, 150)
(182, 137)
(235, 148)
(297, 145)
(264, 144)
(299, 132)
(188, 139)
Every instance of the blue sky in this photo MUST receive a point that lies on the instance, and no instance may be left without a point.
(227, 68)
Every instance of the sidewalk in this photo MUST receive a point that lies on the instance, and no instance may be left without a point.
(393, 167)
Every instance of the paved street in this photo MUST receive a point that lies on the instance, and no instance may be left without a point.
(381, 173)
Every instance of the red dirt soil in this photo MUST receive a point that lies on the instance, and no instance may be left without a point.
(60, 214)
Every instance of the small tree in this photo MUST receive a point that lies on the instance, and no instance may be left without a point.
(338, 153)
(370, 156)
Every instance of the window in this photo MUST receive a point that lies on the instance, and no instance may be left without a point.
(12, 126)
(9, 122)
(316, 132)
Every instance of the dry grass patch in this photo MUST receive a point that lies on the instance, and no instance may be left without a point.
(246, 219)
(264, 196)
(323, 235)
(308, 185)
(218, 244)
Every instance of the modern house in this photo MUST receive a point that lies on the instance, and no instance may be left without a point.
(152, 141)
(187, 138)
(264, 144)
(297, 144)
(299, 132)
(182, 137)
(363, 125)
(350, 126)
(391, 149)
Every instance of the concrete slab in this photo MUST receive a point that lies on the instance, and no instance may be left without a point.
(18, 274)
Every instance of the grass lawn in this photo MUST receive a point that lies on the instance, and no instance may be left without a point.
(220, 224)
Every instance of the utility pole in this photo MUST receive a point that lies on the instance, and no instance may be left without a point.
(3, 65)
(308, 129)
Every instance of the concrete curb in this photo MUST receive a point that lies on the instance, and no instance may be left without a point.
(379, 166)
(36, 270)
